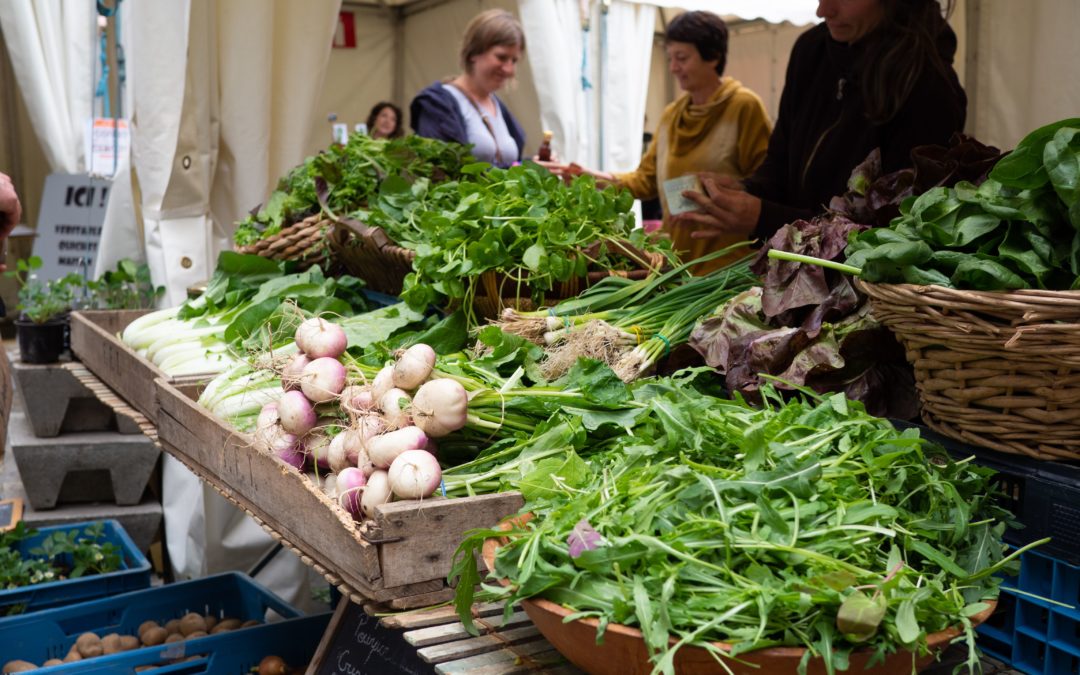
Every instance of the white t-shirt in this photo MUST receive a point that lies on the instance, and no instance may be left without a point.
(484, 144)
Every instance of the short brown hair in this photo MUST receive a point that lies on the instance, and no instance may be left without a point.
(493, 28)
(704, 30)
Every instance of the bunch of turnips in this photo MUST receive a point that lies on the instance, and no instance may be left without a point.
(375, 438)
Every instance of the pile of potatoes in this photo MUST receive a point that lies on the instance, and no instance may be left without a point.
(89, 645)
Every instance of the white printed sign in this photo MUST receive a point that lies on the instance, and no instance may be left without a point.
(107, 140)
(69, 225)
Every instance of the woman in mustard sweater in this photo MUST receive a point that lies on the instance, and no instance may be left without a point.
(718, 126)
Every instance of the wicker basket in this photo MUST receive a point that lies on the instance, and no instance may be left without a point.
(367, 253)
(997, 369)
(303, 241)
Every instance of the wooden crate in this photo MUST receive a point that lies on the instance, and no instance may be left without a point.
(94, 341)
(405, 553)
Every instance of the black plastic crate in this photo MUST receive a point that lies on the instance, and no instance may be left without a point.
(1044, 496)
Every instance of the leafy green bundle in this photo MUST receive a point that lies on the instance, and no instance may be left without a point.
(62, 555)
(1019, 229)
(522, 223)
(350, 174)
(808, 524)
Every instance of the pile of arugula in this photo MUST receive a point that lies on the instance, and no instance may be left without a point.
(805, 523)
(1018, 229)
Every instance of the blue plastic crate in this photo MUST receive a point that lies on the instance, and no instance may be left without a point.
(1037, 635)
(133, 574)
(49, 634)
(233, 653)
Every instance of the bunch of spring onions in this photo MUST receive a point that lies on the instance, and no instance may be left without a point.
(629, 324)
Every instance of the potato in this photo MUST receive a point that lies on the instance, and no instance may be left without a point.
(154, 636)
(197, 634)
(129, 642)
(211, 621)
(111, 643)
(225, 625)
(174, 637)
(89, 645)
(172, 626)
(73, 655)
(273, 665)
(192, 623)
(145, 626)
(18, 666)
(250, 622)
(52, 662)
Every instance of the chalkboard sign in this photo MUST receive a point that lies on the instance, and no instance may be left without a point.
(355, 644)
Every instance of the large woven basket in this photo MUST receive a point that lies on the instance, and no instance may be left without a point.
(367, 253)
(303, 241)
(996, 369)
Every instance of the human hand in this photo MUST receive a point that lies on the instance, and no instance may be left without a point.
(726, 208)
(10, 214)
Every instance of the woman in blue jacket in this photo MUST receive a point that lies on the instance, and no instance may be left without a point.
(465, 109)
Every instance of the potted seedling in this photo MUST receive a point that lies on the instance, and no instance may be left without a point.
(42, 324)
(129, 286)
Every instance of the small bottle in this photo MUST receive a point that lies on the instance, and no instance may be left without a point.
(544, 153)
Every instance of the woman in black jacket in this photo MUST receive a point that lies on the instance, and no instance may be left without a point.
(875, 74)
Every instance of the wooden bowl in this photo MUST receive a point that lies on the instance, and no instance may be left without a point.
(623, 651)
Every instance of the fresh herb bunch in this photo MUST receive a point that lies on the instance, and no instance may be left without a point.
(352, 173)
(522, 223)
(1019, 229)
(41, 301)
(62, 555)
(804, 523)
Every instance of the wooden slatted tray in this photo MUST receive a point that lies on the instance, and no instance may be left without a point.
(405, 552)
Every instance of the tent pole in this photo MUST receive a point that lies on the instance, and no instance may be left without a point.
(10, 116)
(972, 27)
(398, 92)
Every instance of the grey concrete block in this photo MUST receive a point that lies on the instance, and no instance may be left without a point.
(142, 521)
(80, 463)
(56, 402)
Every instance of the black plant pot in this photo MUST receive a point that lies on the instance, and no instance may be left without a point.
(41, 342)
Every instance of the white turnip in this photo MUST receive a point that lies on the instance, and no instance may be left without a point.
(336, 454)
(440, 407)
(317, 447)
(296, 413)
(376, 491)
(290, 374)
(318, 338)
(329, 485)
(350, 489)
(268, 417)
(323, 379)
(384, 449)
(277, 442)
(394, 405)
(357, 400)
(415, 474)
(383, 382)
(413, 366)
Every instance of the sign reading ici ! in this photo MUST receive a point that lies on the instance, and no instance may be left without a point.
(69, 227)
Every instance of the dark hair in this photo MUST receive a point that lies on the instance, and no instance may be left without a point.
(704, 30)
(379, 107)
(902, 47)
(493, 28)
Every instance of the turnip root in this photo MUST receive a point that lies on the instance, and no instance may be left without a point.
(383, 450)
(318, 338)
(281, 444)
(296, 413)
(395, 408)
(350, 488)
(290, 374)
(440, 407)
(414, 366)
(415, 474)
(329, 486)
(356, 400)
(383, 382)
(317, 448)
(377, 491)
(322, 379)
(336, 454)
(268, 417)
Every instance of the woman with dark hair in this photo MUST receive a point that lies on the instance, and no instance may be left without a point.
(718, 126)
(465, 109)
(875, 74)
(384, 121)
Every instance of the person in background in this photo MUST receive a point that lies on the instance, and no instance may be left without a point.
(384, 121)
(10, 214)
(717, 126)
(875, 74)
(465, 108)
